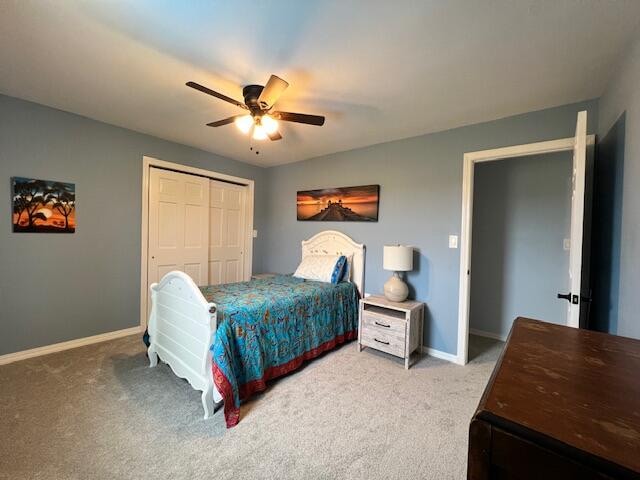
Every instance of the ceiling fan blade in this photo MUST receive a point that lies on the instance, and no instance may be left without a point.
(208, 91)
(225, 121)
(299, 118)
(271, 92)
(275, 136)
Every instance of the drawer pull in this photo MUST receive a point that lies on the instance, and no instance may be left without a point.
(380, 341)
(382, 325)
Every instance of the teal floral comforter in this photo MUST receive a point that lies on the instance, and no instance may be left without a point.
(269, 327)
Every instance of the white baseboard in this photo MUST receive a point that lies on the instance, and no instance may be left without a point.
(59, 347)
(482, 333)
(432, 352)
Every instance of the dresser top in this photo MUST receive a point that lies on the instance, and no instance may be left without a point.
(381, 301)
(572, 388)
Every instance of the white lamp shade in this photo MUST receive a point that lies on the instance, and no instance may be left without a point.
(397, 258)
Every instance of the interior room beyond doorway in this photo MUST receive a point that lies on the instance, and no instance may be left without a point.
(520, 241)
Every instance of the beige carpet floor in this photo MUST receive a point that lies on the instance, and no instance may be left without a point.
(99, 412)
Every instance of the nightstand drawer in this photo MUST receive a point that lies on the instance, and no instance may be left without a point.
(388, 342)
(395, 326)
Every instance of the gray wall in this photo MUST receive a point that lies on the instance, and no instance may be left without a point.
(57, 287)
(420, 204)
(96, 270)
(521, 214)
(623, 95)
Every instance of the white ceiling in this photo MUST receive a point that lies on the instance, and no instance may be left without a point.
(378, 70)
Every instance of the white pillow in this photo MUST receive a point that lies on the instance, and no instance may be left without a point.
(317, 267)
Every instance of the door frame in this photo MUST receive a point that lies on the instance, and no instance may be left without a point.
(469, 161)
(147, 164)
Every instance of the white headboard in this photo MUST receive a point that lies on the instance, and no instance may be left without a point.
(331, 242)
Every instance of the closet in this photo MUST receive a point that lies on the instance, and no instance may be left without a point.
(197, 225)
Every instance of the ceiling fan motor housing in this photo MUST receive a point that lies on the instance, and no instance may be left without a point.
(251, 93)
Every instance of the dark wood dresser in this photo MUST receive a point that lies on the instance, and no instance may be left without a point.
(561, 403)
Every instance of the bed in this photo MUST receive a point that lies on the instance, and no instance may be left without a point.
(228, 340)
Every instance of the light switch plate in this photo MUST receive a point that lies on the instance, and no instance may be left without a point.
(453, 241)
(255, 234)
(566, 244)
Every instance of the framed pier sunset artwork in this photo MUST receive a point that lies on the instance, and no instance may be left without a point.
(344, 204)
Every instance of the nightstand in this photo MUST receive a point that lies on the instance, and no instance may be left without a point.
(391, 327)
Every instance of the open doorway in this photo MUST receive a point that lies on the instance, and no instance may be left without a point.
(576, 297)
(520, 243)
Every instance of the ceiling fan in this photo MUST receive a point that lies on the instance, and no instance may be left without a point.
(259, 101)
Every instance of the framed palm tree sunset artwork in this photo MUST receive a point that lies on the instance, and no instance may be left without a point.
(43, 206)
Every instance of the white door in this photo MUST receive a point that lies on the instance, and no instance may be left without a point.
(577, 219)
(226, 232)
(178, 225)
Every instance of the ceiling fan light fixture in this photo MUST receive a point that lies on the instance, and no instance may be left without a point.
(269, 124)
(244, 123)
(259, 132)
(260, 120)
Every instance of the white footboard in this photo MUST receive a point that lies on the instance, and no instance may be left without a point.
(182, 327)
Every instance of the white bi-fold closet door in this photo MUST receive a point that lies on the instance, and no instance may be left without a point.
(178, 225)
(227, 207)
(196, 225)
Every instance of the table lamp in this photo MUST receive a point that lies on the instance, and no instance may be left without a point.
(397, 258)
